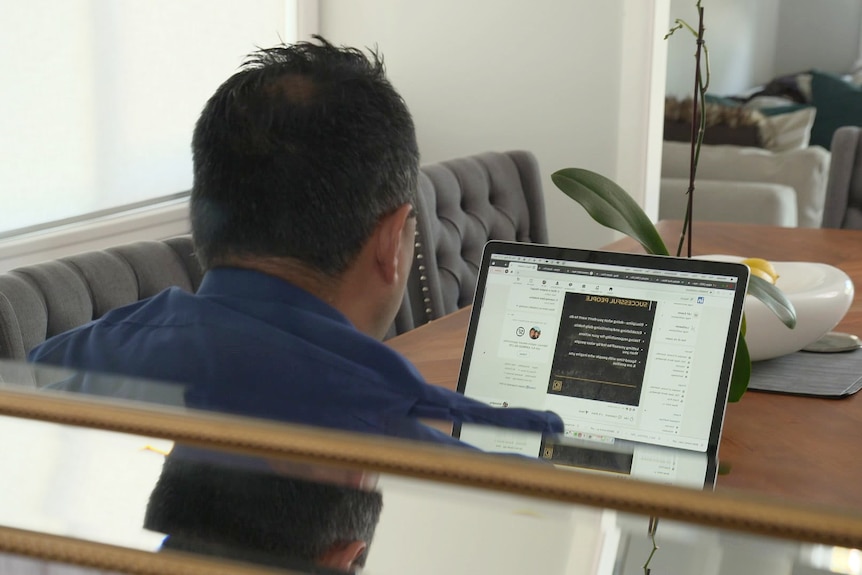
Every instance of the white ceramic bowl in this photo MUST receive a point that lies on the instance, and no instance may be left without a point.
(821, 294)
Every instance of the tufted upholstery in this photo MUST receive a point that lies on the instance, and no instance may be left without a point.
(42, 300)
(843, 208)
(462, 204)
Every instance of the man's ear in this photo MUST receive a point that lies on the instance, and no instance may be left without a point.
(390, 239)
(343, 556)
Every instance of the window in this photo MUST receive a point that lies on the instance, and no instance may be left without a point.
(100, 97)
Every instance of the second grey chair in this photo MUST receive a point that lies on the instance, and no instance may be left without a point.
(843, 205)
(463, 203)
(42, 300)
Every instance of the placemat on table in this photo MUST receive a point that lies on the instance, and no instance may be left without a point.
(832, 375)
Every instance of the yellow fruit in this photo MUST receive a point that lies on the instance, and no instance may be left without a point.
(761, 268)
(762, 275)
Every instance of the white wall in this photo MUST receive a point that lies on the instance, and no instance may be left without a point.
(543, 75)
(642, 91)
(751, 43)
(822, 35)
(740, 36)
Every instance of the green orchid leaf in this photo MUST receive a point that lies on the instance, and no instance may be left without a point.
(741, 373)
(610, 205)
(774, 299)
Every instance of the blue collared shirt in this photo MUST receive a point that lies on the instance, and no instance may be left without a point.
(252, 344)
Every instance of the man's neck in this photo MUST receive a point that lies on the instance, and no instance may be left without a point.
(322, 286)
(340, 292)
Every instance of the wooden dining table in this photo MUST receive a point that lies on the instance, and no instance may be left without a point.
(799, 448)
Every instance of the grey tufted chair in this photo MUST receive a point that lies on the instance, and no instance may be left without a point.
(843, 207)
(42, 300)
(463, 203)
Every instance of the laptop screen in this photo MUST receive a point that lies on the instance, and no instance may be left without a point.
(634, 352)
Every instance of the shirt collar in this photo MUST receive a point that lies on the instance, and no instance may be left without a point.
(255, 285)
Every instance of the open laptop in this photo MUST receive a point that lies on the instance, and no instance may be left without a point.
(634, 352)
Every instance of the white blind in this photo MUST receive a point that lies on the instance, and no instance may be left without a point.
(98, 98)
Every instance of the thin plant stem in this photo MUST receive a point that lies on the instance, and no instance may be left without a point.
(698, 127)
(653, 526)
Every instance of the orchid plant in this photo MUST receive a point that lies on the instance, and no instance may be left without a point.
(611, 206)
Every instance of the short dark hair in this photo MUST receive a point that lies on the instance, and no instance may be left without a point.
(298, 155)
(258, 516)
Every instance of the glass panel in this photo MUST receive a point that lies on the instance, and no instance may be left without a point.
(133, 491)
(620, 459)
(30, 566)
(162, 497)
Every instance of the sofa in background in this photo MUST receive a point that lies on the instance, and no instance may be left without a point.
(716, 201)
(759, 162)
(747, 184)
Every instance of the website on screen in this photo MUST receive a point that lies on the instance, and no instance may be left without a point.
(619, 353)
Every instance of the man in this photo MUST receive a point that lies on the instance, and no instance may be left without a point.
(305, 174)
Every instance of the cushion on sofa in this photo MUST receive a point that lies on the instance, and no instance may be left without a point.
(769, 122)
(804, 170)
(715, 135)
(785, 128)
(726, 122)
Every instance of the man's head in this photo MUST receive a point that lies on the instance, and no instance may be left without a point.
(307, 156)
(298, 155)
(262, 516)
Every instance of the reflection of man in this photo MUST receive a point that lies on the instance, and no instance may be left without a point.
(305, 176)
(262, 516)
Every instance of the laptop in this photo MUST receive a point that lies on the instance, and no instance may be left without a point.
(634, 352)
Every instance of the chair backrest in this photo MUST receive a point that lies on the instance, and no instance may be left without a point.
(843, 206)
(42, 300)
(462, 204)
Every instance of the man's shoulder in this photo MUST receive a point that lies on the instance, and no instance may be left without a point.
(61, 348)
